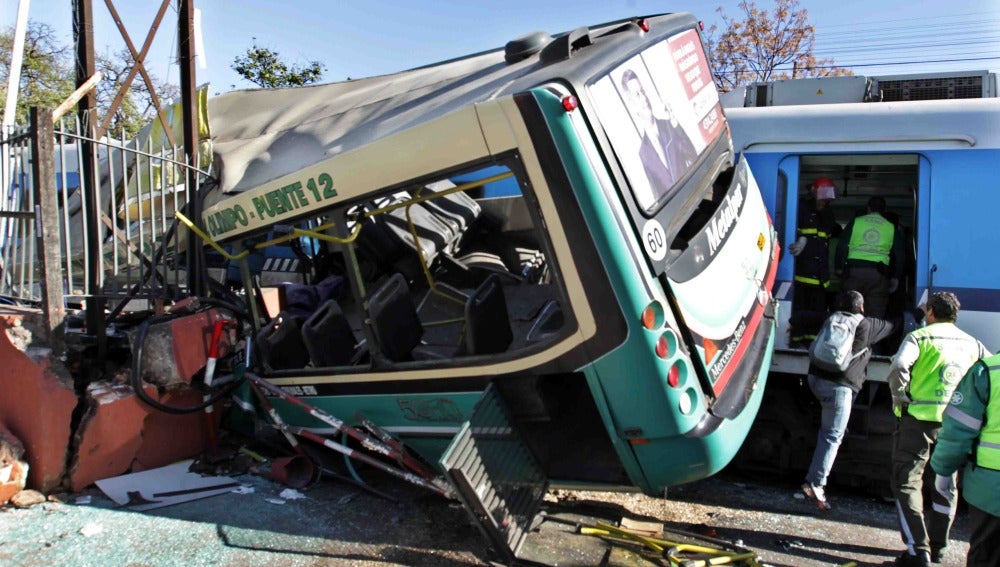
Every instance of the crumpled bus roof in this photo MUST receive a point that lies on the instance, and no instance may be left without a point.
(261, 135)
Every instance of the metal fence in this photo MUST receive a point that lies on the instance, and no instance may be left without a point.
(121, 207)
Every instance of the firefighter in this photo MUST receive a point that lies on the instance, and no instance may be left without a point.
(816, 225)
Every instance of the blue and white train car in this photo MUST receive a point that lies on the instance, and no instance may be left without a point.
(937, 164)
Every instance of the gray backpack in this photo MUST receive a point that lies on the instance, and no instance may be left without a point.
(831, 349)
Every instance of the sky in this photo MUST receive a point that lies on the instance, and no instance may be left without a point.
(360, 38)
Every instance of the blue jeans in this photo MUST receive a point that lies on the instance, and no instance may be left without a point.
(836, 401)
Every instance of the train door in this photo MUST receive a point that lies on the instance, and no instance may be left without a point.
(899, 183)
(786, 205)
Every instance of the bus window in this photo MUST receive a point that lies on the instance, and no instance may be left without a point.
(433, 276)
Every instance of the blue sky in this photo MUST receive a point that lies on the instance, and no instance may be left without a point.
(360, 38)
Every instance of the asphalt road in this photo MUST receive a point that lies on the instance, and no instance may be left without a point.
(338, 524)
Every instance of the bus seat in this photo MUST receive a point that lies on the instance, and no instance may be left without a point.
(487, 322)
(458, 209)
(483, 263)
(280, 343)
(394, 319)
(328, 336)
(433, 234)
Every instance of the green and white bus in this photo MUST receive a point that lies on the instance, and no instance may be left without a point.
(559, 228)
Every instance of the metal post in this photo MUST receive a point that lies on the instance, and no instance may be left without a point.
(43, 173)
(83, 32)
(189, 102)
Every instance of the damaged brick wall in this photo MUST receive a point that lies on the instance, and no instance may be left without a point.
(116, 432)
(37, 399)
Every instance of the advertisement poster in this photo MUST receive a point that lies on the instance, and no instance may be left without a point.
(660, 110)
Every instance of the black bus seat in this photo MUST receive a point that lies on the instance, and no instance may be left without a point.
(328, 336)
(280, 344)
(487, 322)
(394, 319)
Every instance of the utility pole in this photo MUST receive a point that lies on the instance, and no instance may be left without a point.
(189, 100)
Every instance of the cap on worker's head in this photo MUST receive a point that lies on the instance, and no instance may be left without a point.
(825, 189)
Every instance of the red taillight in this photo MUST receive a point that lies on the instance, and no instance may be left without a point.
(643, 24)
(674, 376)
(570, 103)
(662, 348)
(649, 317)
(701, 25)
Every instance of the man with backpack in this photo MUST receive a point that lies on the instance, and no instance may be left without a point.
(924, 373)
(838, 366)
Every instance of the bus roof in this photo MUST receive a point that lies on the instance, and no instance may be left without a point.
(858, 126)
(262, 135)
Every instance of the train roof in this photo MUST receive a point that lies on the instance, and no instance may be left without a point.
(910, 125)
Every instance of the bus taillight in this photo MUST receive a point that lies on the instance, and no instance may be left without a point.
(652, 316)
(661, 347)
(643, 24)
(674, 376)
(570, 103)
(666, 345)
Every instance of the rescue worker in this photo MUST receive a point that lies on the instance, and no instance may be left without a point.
(970, 436)
(923, 374)
(816, 225)
(870, 257)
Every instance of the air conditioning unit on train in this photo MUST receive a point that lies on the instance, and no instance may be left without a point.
(818, 90)
(936, 86)
(856, 88)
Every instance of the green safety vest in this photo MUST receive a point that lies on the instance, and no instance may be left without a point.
(871, 239)
(946, 354)
(988, 450)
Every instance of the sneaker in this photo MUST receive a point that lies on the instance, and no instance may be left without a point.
(817, 495)
(937, 554)
(921, 559)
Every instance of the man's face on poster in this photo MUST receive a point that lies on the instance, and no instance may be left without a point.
(638, 104)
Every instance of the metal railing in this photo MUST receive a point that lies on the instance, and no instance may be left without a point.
(132, 195)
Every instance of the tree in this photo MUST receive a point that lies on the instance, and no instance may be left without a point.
(136, 109)
(47, 78)
(264, 67)
(46, 75)
(764, 46)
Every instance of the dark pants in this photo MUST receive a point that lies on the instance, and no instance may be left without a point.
(912, 443)
(808, 312)
(872, 284)
(984, 539)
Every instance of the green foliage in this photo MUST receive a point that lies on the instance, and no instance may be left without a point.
(753, 48)
(48, 77)
(264, 68)
(46, 72)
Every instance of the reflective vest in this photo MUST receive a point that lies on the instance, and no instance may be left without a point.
(871, 239)
(946, 354)
(988, 450)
